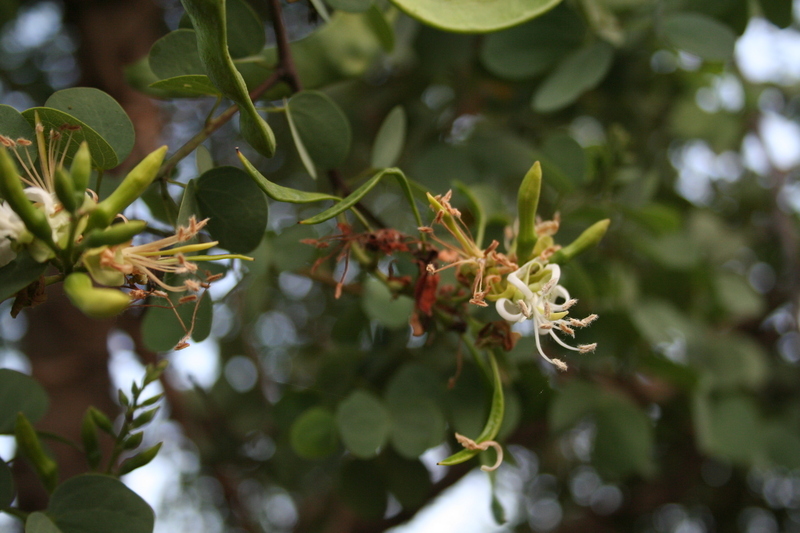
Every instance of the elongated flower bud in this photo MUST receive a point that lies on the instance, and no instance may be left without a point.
(527, 203)
(81, 169)
(65, 190)
(588, 239)
(131, 188)
(116, 234)
(12, 191)
(93, 301)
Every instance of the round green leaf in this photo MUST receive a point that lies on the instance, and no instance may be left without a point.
(100, 112)
(390, 139)
(532, 48)
(161, 330)
(379, 305)
(7, 490)
(577, 73)
(20, 393)
(700, 35)
(175, 54)
(313, 434)
(39, 522)
(474, 16)
(362, 488)
(321, 126)
(14, 126)
(236, 206)
(363, 423)
(93, 503)
(246, 35)
(417, 424)
(353, 6)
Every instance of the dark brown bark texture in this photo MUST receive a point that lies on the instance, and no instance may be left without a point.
(68, 351)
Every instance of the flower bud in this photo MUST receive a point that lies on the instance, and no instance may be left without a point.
(527, 203)
(12, 191)
(589, 238)
(113, 235)
(93, 301)
(81, 169)
(131, 188)
(65, 190)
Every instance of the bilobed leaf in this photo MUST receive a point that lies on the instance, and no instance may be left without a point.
(468, 16)
(280, 193)
(363, 423)
(189, 86)
(321, 126)
(175, 55)
(93, 503)
(390, 139)
(7, 490)
(14, 126)
(313, 434)
(531, 49)
(19, 394)
(700, 35)
(18, 274)
(236, 206)
(161, 329)
(577, 73)
(379, 305)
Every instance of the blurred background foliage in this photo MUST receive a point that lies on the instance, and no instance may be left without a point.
(676, 119)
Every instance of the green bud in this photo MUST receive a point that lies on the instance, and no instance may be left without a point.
(133, 441)
(29, 444)
(65, 190)
(139, 460)
(94, 301)
(81, 169)
(12, 191)
(144, 418)
(91, 446)
(527, 203)
(114, 234)
(131, 188)
(101, 420)
(588, 239)
(123, 399)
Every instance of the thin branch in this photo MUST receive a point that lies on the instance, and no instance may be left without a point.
(285, 59)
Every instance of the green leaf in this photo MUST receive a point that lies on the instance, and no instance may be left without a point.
(175, 55)
(101, 113)
(203, 159)
(7, 490)
(413, 397)
(39, 522)
(19, 394)
(579, 72)
(161, 330)
(19, 273)
(280, 193)
(321, 126)
(237, 208)
(575, 401)
(189, 86)
(322, 11)
(93, 503)
(737, 296)
(623, 444)
(305, 158)
(359, 193)
(730, 362)
(380, 305)
(728, 427)
(408, 480)
(381, 27)
(779, 12)
(363, 423)
(313, 434)
(353, 6)
(390, 139)
(246, 35)
(14, 126)
(569, 158)
(469, 16)
(700, 35)
(189, 207)
(362, 488)
(532, 48)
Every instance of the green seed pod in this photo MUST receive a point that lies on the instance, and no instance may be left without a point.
(131, 188)
(527, 203)
(139, 460)
(133, 441)
(81, 169)
(91, 445)
(94, 302)
(28, 442)
(12, 191)
(65, 190)
(588, 239)
(113, 235)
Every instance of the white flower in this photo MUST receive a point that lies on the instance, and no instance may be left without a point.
(546, 303)
(12, 230)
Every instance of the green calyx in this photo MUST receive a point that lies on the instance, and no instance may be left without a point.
(93, 301)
